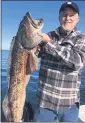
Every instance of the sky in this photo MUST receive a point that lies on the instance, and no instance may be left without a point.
(13, 12)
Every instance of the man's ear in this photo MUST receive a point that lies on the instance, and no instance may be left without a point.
(78, 19)
(59, 18)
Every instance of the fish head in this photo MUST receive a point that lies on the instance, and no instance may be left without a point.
(36, 23)
(28, 31)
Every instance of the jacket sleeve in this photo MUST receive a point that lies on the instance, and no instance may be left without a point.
(74, 57)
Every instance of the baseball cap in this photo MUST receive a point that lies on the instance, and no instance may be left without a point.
(69, 4)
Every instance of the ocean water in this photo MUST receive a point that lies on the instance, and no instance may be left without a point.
(32, 85)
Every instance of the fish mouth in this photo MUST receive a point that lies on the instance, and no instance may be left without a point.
(36, 23)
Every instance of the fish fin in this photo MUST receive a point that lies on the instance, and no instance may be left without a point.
(9, 60)
(32, 63)
(28, 112)
(6, 109)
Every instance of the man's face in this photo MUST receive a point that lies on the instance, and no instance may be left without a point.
(68, 19)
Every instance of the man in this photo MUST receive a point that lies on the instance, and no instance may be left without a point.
(62, 59)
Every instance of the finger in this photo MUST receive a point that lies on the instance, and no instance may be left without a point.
(39, 33)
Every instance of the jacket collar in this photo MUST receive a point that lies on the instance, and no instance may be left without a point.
(61, 32)
(68, 37)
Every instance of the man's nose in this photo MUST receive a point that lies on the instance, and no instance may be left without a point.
(67, 16)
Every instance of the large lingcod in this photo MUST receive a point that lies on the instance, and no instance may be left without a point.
(21, 54)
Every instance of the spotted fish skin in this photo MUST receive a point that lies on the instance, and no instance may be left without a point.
(19, 56)
(17, 85)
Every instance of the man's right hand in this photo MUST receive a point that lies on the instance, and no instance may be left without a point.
(45, 37)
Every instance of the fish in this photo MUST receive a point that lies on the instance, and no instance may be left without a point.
(20, 56)
(34, 26)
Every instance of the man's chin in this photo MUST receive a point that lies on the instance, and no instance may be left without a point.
(67, 28)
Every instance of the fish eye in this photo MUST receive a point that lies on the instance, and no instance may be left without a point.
(39, 22)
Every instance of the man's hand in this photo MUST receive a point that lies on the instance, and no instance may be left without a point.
(34, 50)
(45, 37)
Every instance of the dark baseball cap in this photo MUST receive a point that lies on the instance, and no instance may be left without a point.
(69, 4)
